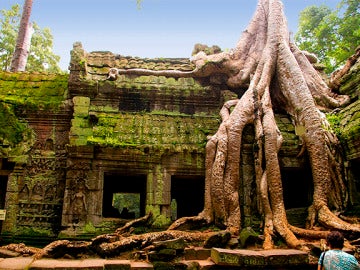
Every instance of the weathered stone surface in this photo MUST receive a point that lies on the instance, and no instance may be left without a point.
(164, 255)
(261, 258)
(15, 263)
(117, 265)
(218, 240)
(176, 244)
(141, 266)
(248, 237)
(225, 257)
(197, 253)
(86, 126)
(284, 257)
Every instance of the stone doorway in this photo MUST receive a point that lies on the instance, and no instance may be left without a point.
(124, 196)
(188, 192)
(5, 169)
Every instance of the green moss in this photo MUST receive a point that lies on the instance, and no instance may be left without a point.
(89, 228)
(159, 220)
(34, 91)
(33, 232)
(164, 131)
(334, 121)
(346, 124)
(12, 128)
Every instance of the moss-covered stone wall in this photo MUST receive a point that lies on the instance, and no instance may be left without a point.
(68, 138)
(35, 121)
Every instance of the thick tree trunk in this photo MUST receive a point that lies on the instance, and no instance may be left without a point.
(19, 59)
(275, 72)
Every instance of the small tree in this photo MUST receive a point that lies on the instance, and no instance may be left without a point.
(40, 58)
(8, 33)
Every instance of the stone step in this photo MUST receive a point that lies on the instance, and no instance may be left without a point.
(212, 259)
(19, 263)
(261, 258)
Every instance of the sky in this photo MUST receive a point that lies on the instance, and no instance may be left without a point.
(160, 28)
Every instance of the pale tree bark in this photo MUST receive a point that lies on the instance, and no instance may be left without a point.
(274, 71)
(19, 59)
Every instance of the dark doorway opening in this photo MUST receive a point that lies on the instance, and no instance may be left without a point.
(124, 196)
(6, 168)
(355, 168)
(3, 187)
(297, 187)
(188, 192)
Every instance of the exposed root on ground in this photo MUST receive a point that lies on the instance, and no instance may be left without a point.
(277, 76)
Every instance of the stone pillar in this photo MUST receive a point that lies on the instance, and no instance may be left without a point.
(12, 200)
(158, 191)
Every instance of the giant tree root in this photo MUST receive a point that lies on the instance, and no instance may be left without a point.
(278, 76)
(113, 245)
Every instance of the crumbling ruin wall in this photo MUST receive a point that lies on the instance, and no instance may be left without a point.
(152, 126)
(78, 139)
(35, 126)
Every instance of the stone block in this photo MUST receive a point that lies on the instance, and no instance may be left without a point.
(88, 264)
(92, 264)
(237, 257)
(117, 265)
(141, 266)
(176, 244)
(225, 257)
(81, 111)
(283, 257)
(164, 255)
(251, 258)
(81, 101)
(197, 253)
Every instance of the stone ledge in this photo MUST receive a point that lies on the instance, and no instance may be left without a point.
(252, 258)
(225, 258)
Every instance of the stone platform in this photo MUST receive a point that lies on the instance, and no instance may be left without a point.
(218, 259)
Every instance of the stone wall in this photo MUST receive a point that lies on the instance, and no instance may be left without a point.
(150, 126)
(39, 116)
(347, 124)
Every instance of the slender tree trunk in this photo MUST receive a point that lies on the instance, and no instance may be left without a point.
(23, 41)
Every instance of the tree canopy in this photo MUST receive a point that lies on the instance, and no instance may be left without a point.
(332, 35)
(41, 56)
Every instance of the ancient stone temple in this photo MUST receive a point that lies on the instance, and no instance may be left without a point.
(89, 152)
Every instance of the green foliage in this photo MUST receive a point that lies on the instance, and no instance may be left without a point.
(335, 124)
(131, 201)
(41, 58)
(12, 129)
(89, 228)
(332, 35)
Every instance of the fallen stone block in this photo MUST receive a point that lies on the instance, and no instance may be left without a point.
(226, 257)
(197, 253)
(117, 265)
(284, 257)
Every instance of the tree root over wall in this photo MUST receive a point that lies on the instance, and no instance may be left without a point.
(275, 73)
